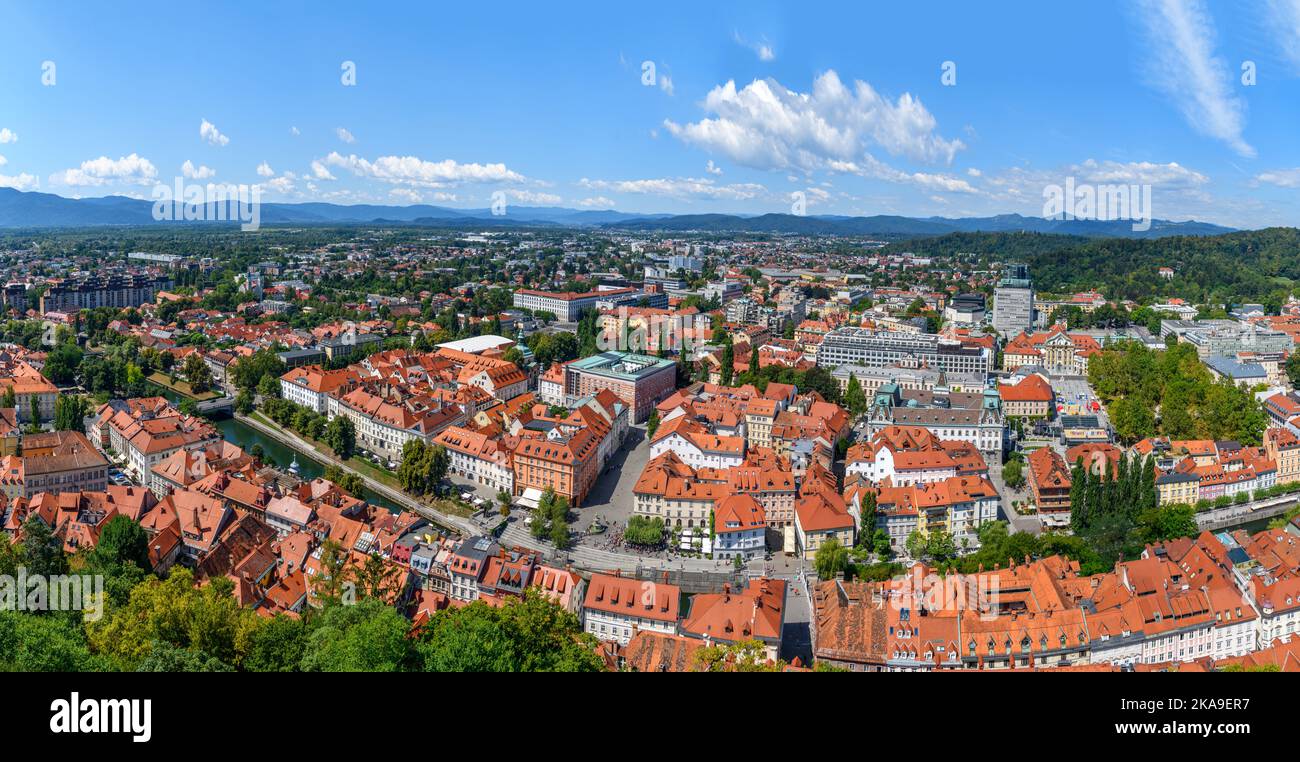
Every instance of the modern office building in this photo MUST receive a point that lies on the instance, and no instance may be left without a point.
(1227, 337)
(878, 349)
(1013, 301)
(640, 381)
(965, 310)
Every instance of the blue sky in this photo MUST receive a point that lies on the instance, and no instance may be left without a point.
(749, 103)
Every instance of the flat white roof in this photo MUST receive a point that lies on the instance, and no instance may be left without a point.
(477, 344)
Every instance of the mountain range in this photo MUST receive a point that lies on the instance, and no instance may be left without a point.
(19, 209)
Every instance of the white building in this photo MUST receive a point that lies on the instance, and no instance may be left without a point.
(479, 458)
(616, 607)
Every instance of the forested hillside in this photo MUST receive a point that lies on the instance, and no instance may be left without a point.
(1257, 266)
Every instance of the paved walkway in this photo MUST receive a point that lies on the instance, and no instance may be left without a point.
(290, 439)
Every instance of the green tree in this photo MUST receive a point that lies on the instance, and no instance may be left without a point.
(341, 436)
(69, 412)
(249, 371)
(438, 466)
(31, 643)
(1167, 522)
(367, 637)
(529, 635)
(744, 656)
(268, 386)
(854, 397)
(278, 645)
(121, 541)
(197, 373)
(205, 619)
(728, 369)
(244, 402)
(1013, 474)
(165, 657)
(831, 559)
(42, 551)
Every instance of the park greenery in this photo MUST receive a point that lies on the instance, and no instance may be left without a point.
(551, 519)
(338, 434)
(644, 531)
(1170, 392)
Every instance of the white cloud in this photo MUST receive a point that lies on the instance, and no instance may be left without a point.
(127, 170)
(294, 131)
(1285, 22)
(597, 202)
(761, 47)
(533, 197)
(283, 184)
(1283, 178)
(683, 187)
(196, 173)
(344, 135)
(712, 168)
(666, 84)
(1185, 69)
(22, 182)
(768, 126)
(815, 196)
(411, 170)
(973, 172)
(874, 168)
(1178, 191)
(264, 170)
(407, 194)
(1171, 174)
(3, 161)
(8, 136)
(320, 171)
(209, 132)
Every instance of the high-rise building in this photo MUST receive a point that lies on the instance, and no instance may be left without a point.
(1013, 301)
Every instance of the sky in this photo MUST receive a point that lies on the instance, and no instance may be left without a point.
(860, 108)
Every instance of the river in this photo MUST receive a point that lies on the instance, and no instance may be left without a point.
(273, 452)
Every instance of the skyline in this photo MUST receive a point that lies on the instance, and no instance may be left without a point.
(741, 107)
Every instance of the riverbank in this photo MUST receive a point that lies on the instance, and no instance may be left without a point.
(181, 388)
(395, 496)
(582, 557)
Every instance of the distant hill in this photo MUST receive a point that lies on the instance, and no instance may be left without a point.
(33, 209)
(895, 226)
